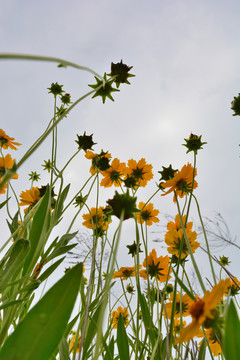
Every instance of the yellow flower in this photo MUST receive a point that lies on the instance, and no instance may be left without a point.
(178, 326)
(29, 197)
(177, 225)
(7, 141)
(7, 163)
(112, 176)
(99, 161)
(213, 342)
(125, 272)
(72, 341)
(140, 171)
(181, 182)
(147, 214)
(234, 287)
(183, 304)
(175, 241)
(96, 219)
(203, 310)
(3, 189)
(115, 316)
(157, 267)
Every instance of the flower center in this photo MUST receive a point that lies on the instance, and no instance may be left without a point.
(197, 309)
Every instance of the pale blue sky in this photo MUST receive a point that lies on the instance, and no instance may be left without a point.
(186, 58)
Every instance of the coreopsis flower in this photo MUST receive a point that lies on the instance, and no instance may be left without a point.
(85, 142)
(7, 162)
(96, 220)
(178, 325)
(3, 188)
(203, 312)
(213, 342)
(115, 316)
(194, 143)
(234, 287)
(123, 203)
(176, 242)
(7, 141)
(29, 197)
(121, 73)
(182, 182)
(156, 267)
(140, 172)
(113, 175)
(236, 105)
(100, 161)
(125, 272)
(105, 90)
(148, 214)
(177, 224)
(72, 341)
(183, 303)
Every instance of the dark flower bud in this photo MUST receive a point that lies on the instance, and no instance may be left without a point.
(120, 72)
(194, 143)
(85, 142)
(55, 89)
(167, 173)
(236, 105)
(123, 203)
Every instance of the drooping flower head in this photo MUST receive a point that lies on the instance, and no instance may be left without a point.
(113, 175)
(203, 311)
(148, 214)
(140, 172)
(156, 267)
(182, 182)
(115, 316)
(125, 272)
(7, 141)
(100, 161)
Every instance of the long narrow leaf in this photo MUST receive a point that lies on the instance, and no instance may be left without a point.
(232, 334)
(122, 340)
(42, 329)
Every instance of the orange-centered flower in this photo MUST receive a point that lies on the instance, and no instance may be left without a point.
(156, 267)
(113, 175)
(7, 141)
(148, 214)
(115, 316)
(98, 160)
(182, 182)
(140, 171)
(202, 310)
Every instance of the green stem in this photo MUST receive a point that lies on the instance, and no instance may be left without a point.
(49, 59)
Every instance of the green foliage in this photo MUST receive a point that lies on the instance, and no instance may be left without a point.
(232, 333)
(42, 329)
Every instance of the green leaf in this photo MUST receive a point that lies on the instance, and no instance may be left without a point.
(38, 232)
(64, 350)
(42, 329)
(183, 286)
(60, 251)
(232, 334)
(147, 320)
(122, 340)
(109, 350)
(18, 253)
(59, 205)
(50, 270)
(4, 203)
(202, 350)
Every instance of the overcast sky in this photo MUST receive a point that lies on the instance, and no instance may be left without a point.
(186, 58)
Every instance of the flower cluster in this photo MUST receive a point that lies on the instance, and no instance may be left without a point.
(6, 162)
